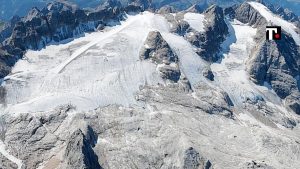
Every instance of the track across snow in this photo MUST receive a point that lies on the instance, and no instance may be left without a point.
(99, 69)
(83, 49)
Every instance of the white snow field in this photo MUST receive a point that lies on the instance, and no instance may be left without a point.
(277, 20)
(104, 68)
(231, 72)
(99, 69)
(195, 20)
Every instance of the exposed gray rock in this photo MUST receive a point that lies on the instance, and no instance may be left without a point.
(157, 49)
(6, 163)
(27, 134)
(6, 61)
(230, 11)
(274, 62)
(170, 72)
(193, 160)
(142, 138)
(180, 27)
(205, 99)
(285, 13)
(208, 74)
(79, 152)
(293, 101)
(258, 165)
(167, 10)
(198, 8)
(7, 28)
(247, 14)
(277, 63)
(209, 41)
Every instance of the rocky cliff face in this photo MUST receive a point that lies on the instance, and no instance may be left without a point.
(274, 62)
(79, 152)
(54, 23)
(158, 51)
(277, 63)
(209, 41)
(247, 14)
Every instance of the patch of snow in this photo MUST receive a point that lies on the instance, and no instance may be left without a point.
(189, 62)
(231, 73)
(277, 20)
(195, 20)
(146, 46)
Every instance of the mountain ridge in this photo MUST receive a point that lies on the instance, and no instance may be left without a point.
(144, 90)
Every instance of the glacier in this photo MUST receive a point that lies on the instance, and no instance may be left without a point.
(96, 94)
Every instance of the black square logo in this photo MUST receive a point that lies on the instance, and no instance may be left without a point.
(273, 32)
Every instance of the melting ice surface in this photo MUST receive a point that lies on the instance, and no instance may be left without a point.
(96, 70)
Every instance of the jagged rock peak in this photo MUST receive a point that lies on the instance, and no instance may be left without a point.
(61, 5)
(198, 8)
(245, 13)
(167, 10)
(157, 49)
(215, 32)
(214, 10)
(79, 152)
(109, 4)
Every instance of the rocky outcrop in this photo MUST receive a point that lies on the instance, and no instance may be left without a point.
(205, 98)
(6, 163)
(158, 51)
(258, 165)
(54, 23)
(166, 10)
(170, 72)
(79, 152)
(7, 28)
(285, 13)
(208, 74)
(173, 131)
(274, 62)
(293, 101)
(180, 27)
(278, 63)
(209, 41)
(27, 134)
(198, 8)
(245, 13)
(193, 160)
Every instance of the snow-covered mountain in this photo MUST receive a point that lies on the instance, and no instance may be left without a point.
(126, 87)
(10, 8)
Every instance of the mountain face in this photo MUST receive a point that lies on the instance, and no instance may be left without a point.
(132, 86)
(10, 8)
